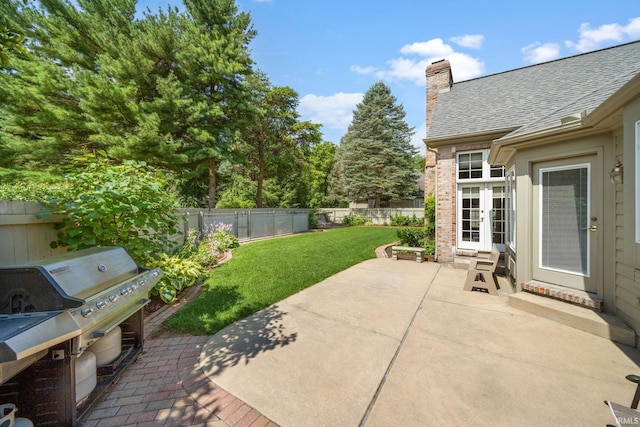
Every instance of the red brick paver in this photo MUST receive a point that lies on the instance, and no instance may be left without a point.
(167, 387)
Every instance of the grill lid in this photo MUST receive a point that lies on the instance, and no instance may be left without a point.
(63, 281)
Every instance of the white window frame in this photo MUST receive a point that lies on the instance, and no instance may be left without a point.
(541, 172)
(510, 207)
(486, 169)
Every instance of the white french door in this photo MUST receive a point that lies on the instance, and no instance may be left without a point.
(481, 215)
(566, 207)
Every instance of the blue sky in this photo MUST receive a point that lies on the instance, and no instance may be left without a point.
(332, 51)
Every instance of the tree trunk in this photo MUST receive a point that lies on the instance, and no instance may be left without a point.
(260, 179)
(378, 200)
(213, 167)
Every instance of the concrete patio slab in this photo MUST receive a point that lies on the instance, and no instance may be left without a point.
(320, 353)
(400, 343)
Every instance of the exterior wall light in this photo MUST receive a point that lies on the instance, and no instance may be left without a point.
(616, 173)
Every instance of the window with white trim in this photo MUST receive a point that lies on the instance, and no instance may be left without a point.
(510, 208)
(472, 166)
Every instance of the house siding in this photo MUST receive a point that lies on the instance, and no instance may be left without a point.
(600, 146)
(627, 264)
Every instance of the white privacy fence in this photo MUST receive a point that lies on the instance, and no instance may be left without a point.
(378, 216)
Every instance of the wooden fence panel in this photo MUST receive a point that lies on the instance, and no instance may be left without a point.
(23, 236)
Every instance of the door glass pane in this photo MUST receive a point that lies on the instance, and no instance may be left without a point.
(498, 219)
(564, 219)
(471, 214)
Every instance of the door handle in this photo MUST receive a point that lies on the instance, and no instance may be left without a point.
(592, 229)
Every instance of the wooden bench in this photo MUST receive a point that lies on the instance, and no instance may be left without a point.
(481, 274)
(419, 252)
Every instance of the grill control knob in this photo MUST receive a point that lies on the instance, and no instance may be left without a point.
(101, 304)
(141, 282)
(125, 291)
(113, 298)
(87, 312)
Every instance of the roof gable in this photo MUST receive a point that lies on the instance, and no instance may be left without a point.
(534, 97)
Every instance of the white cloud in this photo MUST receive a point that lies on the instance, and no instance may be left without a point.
(471, 41)
(333, 111)
(538, 52)
(363, 70)
(594, 38)
(410, 68)
(463, 66)
(433, 47)
(404, 69)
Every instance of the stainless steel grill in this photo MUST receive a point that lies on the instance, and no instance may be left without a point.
(53, 310)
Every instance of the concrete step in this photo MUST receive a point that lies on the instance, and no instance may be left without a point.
(600, 324)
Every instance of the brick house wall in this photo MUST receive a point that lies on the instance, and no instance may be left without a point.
(446, 200)
(439, 79)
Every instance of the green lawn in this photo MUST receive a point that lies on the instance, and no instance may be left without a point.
(265, 272)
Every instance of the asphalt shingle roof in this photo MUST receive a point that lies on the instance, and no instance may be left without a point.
(535, 97)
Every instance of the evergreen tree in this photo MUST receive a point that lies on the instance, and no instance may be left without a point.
(215, 62)
(11, 44)
(376, 155)
(167, 88)
(43, 120)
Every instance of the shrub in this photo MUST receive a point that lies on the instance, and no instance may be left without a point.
(355, 220)
(216, 241)
(405, 221)
(188, 264)
(313, 220)
(115, 205)
(430, 225)
(411, 236)
(205, 249)
(179, 273)
(28, 191)
(430, 215)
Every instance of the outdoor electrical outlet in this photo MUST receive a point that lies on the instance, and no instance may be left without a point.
(57, 354)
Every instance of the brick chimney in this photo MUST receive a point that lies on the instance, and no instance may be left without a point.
(439, 79)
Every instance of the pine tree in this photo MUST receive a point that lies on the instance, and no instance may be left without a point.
(43, 120)
(215, 62)
(375, 156)
(167, 88)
